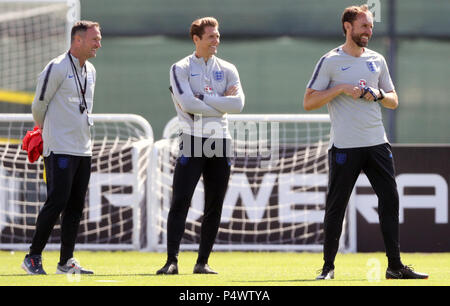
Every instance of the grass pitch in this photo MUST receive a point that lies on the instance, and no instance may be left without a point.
(235, 269)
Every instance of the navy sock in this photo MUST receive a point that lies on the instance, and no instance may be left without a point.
(395, 263)
(172, 258)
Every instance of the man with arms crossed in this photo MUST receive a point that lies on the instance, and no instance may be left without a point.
(62, 108)
(204, 89)
(354, 82)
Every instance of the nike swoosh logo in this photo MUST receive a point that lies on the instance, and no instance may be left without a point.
(195, 74)
(345, 68)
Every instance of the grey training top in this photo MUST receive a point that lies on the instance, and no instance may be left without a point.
(56, 109)
(192, 76)
(354, 123)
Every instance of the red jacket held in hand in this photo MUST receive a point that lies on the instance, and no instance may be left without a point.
(32, 143)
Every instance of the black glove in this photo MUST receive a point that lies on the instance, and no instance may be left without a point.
(367, 89)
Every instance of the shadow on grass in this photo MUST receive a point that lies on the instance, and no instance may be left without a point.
(299, 281)
(97, 275)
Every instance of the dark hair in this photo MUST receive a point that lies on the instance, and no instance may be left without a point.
(82, 26)
(198, 26)
(352, 12)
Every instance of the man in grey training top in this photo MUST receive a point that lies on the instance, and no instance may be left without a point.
(204, 89)
(62, 109)
(354, 82)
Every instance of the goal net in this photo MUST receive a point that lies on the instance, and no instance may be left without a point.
(115, 214)
(31, 34)
(276, 194)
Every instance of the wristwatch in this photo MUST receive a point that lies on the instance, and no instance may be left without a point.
(382, 94)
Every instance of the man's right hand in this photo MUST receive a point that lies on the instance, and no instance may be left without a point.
(232, 91)
(350, 90)
(315, 99)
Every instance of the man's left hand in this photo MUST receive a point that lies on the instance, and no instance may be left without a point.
(368, 96)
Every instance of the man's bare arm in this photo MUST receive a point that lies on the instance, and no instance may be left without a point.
(315, 99)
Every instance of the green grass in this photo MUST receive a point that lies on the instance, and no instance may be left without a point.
(235, 269)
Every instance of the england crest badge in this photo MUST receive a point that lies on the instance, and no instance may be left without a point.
(218, 75)
(372, 66)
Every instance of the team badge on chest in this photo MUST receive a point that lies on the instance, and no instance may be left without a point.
(372, 66)
(218, 75)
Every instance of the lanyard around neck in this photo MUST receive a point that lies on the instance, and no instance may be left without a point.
(83, 104)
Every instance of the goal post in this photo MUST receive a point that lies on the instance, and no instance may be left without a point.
(115, 215)
(277, 188)
(32, 32)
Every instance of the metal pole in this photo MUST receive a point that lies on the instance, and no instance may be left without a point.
(392, 64)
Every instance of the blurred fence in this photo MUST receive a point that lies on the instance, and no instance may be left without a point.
(275, 45)
(260, 17)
